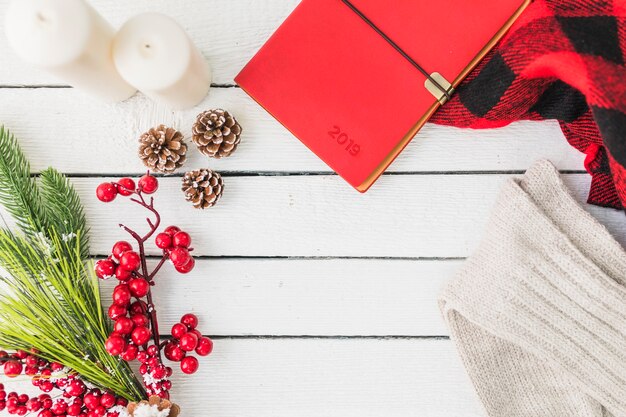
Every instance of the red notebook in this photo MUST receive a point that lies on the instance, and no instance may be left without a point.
(329, 75)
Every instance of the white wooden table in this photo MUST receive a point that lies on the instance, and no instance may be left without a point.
(322, 301)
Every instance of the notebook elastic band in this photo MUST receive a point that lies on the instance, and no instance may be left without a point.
(395, 46)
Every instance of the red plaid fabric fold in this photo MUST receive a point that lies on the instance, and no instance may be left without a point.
(562, 60)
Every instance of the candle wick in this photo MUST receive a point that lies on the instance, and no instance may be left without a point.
(41, 17)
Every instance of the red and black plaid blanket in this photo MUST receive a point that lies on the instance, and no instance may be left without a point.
(562, 60)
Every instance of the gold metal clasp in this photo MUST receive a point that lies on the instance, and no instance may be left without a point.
(435, 90)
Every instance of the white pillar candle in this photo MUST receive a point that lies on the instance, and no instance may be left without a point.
(155, 54)
(69, 39)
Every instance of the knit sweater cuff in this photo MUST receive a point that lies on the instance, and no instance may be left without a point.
(548, 278)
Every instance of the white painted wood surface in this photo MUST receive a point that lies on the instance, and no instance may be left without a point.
(323, 300)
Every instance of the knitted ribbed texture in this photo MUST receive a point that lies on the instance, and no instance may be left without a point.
(538, 313)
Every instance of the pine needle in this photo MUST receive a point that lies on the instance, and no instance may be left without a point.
(18, 193)
(62, 204)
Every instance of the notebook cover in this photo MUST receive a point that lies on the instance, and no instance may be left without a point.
(349, 96)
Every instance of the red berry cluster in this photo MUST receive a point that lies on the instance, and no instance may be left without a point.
(155, 375)
(186, 338)
(122, 264)
(135, 334)
(107, 191)
(78, 398)
(175, 244)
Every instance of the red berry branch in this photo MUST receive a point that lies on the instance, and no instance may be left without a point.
(77, 398)
(135, 333)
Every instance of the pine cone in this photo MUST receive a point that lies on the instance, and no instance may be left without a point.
(203, 187)
(216, 133)
(152, 407)
(162, 149)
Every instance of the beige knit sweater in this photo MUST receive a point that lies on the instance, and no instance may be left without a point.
(538, 313)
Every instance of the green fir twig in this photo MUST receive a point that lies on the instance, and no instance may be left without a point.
(49, 295)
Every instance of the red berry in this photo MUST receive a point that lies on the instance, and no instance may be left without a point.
(171, 230)
(91, 400)
(74, 410)
(130, 260)
(123, 326)
(22, 398)
(59, 407)
(152, 350)
(45, 413)
(142, 357)
(148, 184)
(126, 186)
(173, 352)
(115, 344)
(205, 346)
(106, 192)
(22, 410)
(153, 362)
(33, 404)
(181, 239)
(159, 372)
(178, 330)
(12, 368)
(122, 295)
(107, 400)
(120, 247)
(140, 335)
(143, 369)
(185, 269)
(105, 268)
(139, 287)
(122, 401)
(46, 386)
(188, 342)
(163, 241)
(189, 365)
(116, 311)
(122, 274)
(189, 320)
(31, 360)
(138, 306)
(139, 319)
(130, 354)
(75, 388)
(179, 256)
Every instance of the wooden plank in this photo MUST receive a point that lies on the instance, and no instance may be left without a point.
(326, 377)
(339, 297)
(228, 32)
(402, 216)
(329, 378)
(80, 135)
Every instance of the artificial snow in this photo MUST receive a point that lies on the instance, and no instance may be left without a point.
(146, 410)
